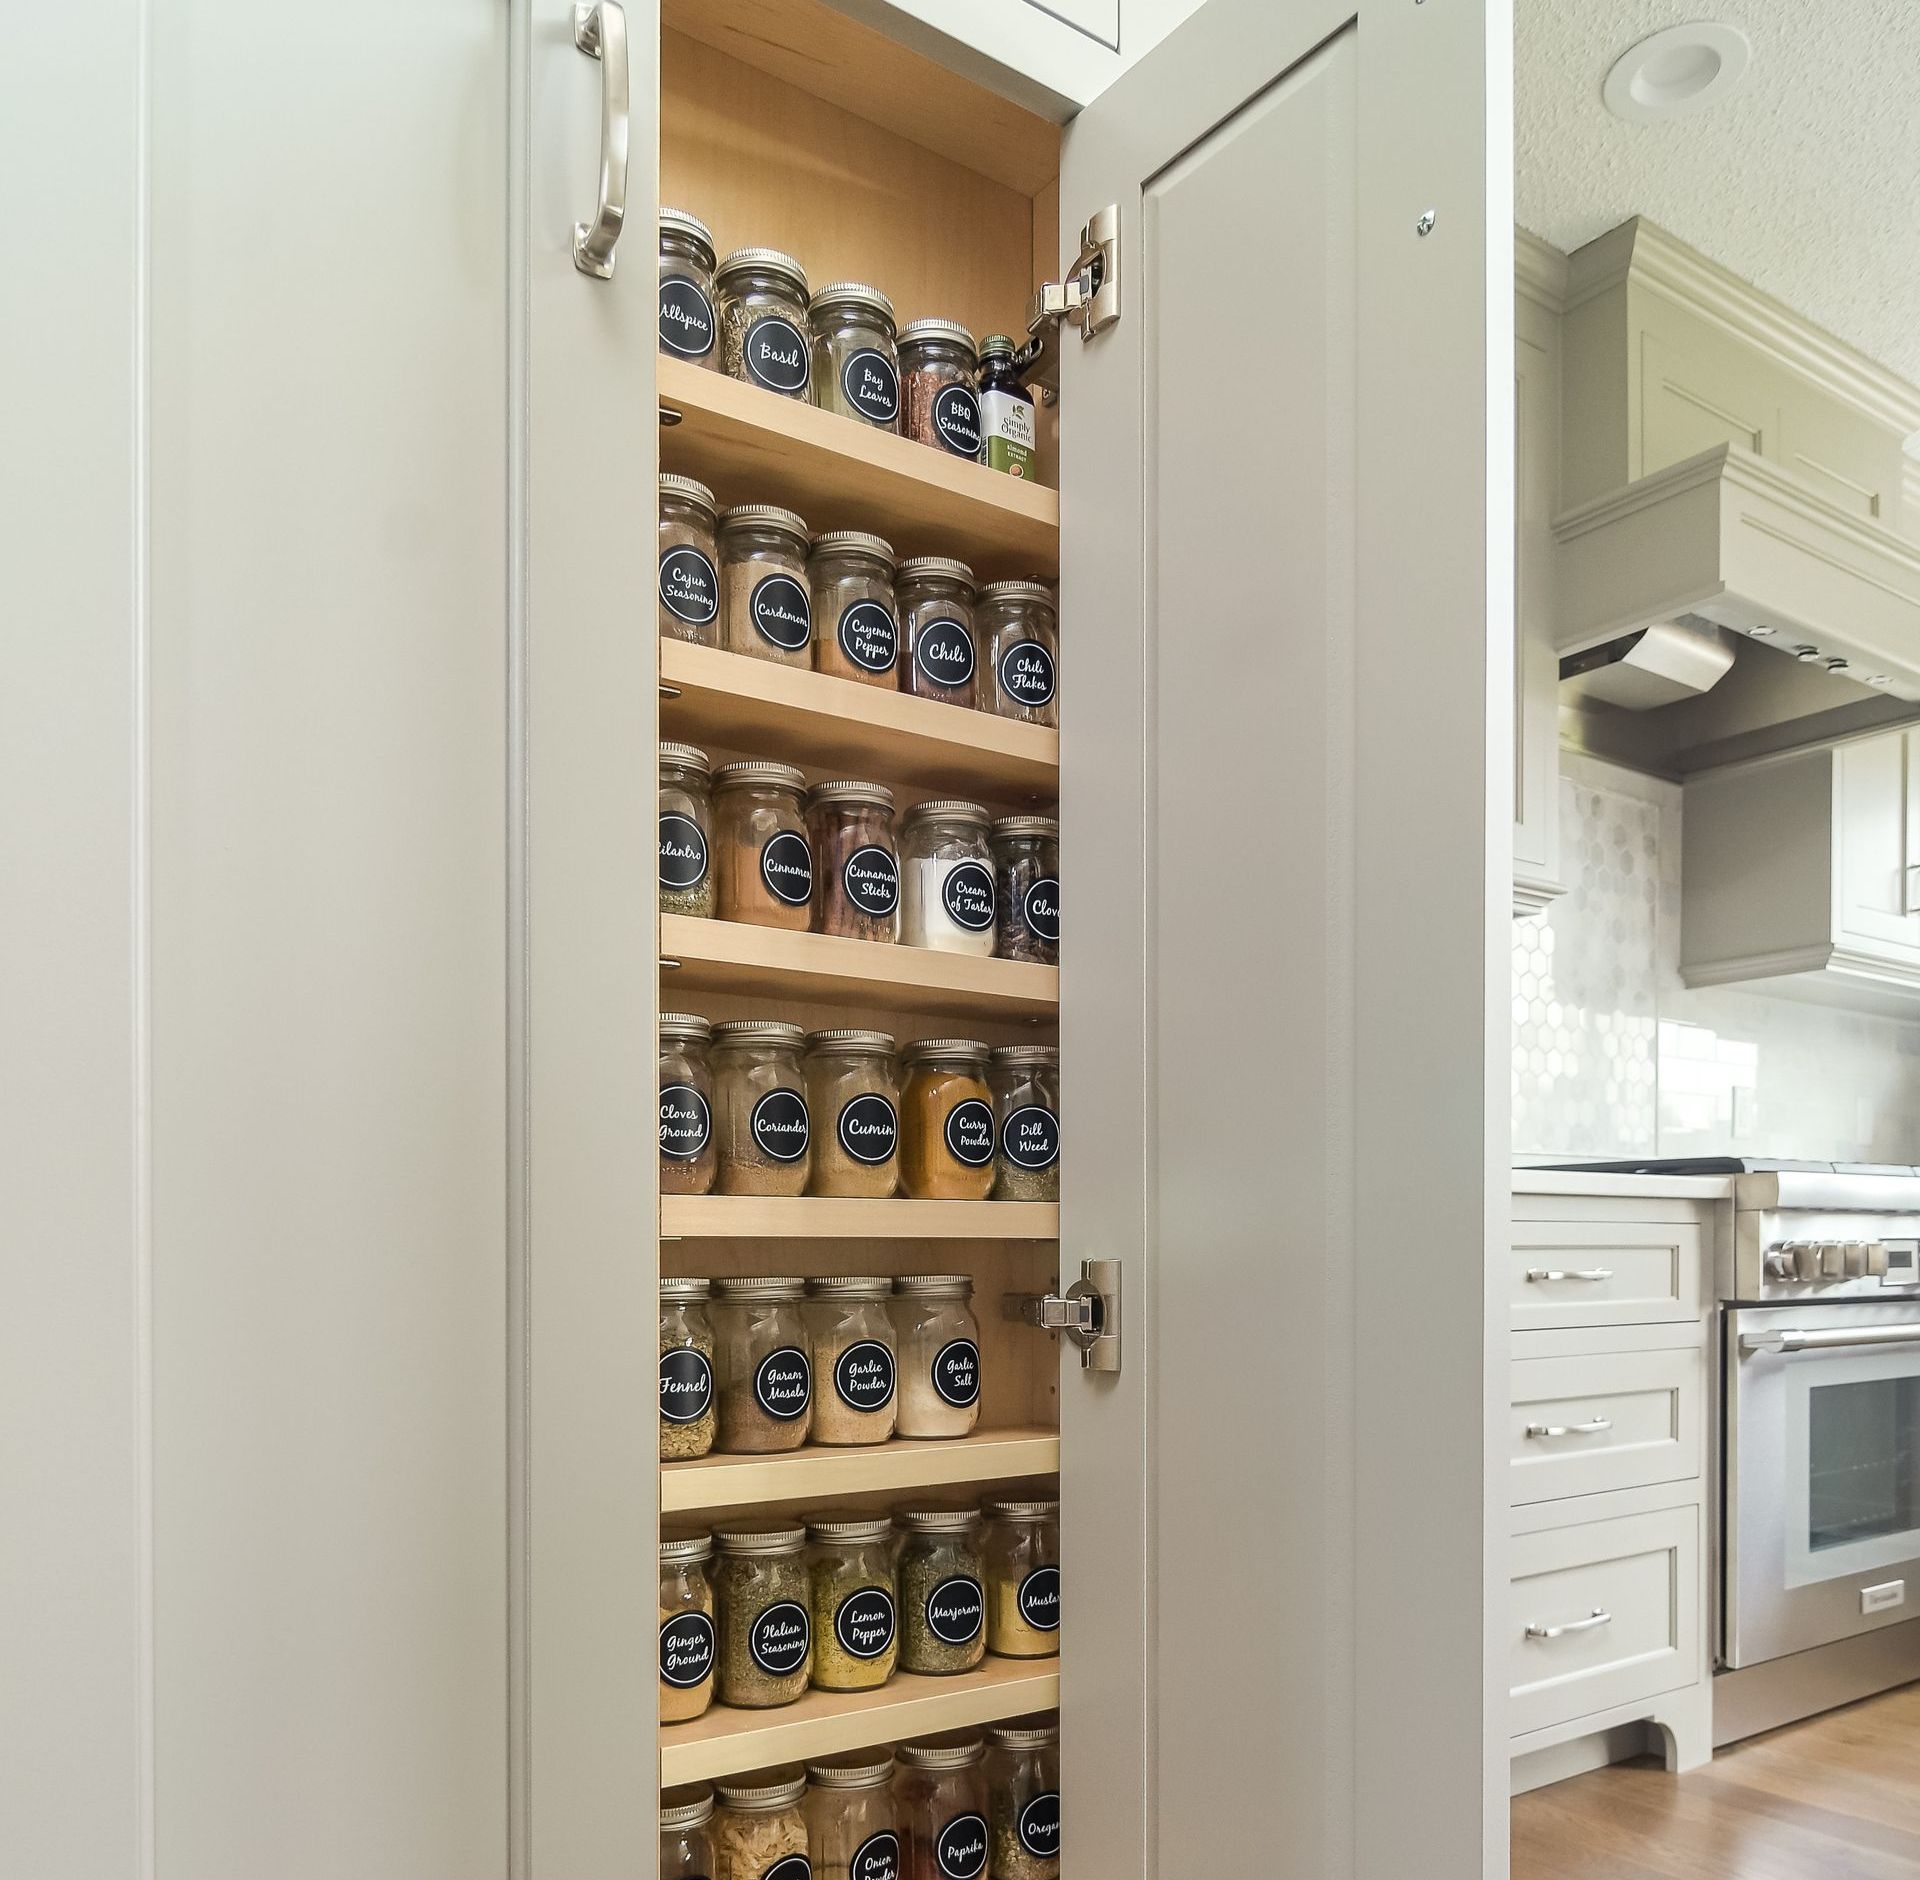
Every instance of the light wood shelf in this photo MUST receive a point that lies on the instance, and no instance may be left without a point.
(824, 1474)
(726, 1742)
(822, 1217)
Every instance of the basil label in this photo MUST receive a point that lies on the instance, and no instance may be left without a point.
(872, 385)
(775, 352)
(786, 866)
(686, 1123)
(689, 588)
(1026, 673)
(779, 1125)
(876, 1858)
(778, 1638)
(968, 895)
(960, 1848)
(686, 1385)
(686, 318)
(956, 1610)
(782, 614)
(1030, 1137)
(956, 420)
(686, 1650)
(869, 1130)
(1040, 909)
(943, 650)
(863, 1622)
(794, 1867)
(1039, 1826)
(956, 1372)
(872, 881)
(869, 637)
(863, 1376)
(1040, 1599)
(783, 1385)
(969, 1133)
(683, 853)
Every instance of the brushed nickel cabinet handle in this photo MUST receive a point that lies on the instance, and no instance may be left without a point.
(1598, 1617)
(1592, 1274)
(1599, 1426)
(600, 31)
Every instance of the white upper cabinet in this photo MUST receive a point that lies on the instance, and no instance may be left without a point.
(1098, 19)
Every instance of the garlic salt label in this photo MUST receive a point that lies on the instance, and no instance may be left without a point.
(872, 881)
(686, 1650)
(779, 1639)
(969, 1133)
(960, 1848)
(1026, 673)
(686, 1123)
(786, 866)
(1040, 1599)
(863, 1376)
(869, 637)
(1030, 1138)
(794, 1867)
(876, 1858)
(689, 588)
(869, 1130)
(863, 1622)
(782, 614)
(686, 318)
(686, 1385)
(779, 1123)
(775, 351)
(871, 385)
(1040, 1825)
(944, 652)
(683, 853)
(956, 1610)
(956, 420)
(1040, 908)
(968, 894)
(956, 1375)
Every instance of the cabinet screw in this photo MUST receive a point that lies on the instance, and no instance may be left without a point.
(1425, 225)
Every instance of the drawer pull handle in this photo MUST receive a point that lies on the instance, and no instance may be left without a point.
(600, 31)
(1593, 1275)
(1598, 1427)
(1598, 1617)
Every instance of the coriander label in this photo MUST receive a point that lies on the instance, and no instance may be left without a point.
(869, 637)
(683, 853)
(783, 1385)
(686, 318)
(956, 1610)
(1039, 1825)
(1040, 908)
(863, 1376)
(686, 1123)
(686, 1385)
(1026, 673)
(956, 420)
(871, 385)
(943, 650)
(689, 588)
(863, 1622)
(775, 352)
(686, 1650)
(779, 1125)
(876, 1858)
(1040, 1599)
(869, 1129)
(872, 881)
(786, 866)
(956, 1372)
(960, 1848)
(782, 613)
(1030, 1138)
(967, 894)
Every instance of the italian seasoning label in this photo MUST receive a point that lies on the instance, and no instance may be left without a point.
(1040, 908)
(871, 385)
(967, 894)
(869, 1129)
(775, 352)
(969, 1133)
(1040, 1599)
(871, 879)
(779, 1125)
(960, 1848)
(779, 1638)
(782, 613)
(783, 1385)
(686, 1650)
(863, 1622)
(1030, 1138)
(956, 1372)
(1039, 1825)
(689, 587)
(956, 420)
(683, 853)
(876, 1858)
(786, 866)
(943, 650)
(686, 1385)
(686, 1122)
(869, 637)
(686, 318)
(956, 1610)
(1026, 673)
(863, 1376)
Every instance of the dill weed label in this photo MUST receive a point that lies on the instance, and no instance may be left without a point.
(1030, 1138)
(960, 1848)
(686, 1650)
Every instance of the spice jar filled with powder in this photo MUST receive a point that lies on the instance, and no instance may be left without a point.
(761, 1120)
(937, 1345)
(689, 570)
(937, 368)
(1021, 650)
(688, 1157)
(946, 887)
(764, 1374)
(686, 832)
(942, 1790)
(763, 320)
(1023, 1798)
(946, 1121)
(766, 610)
(688, 327)
(850, 1340)
(760, 1830)
(686, 1834)
(763, 865)
(687, 1636)
(852, 1828)
(853, 1089)
(856, 362)
(850, 1569)
(943, 1600)
(765, 1631)
(933, 595)
(856, 883)
(1025, 1080)
(688, 1397)
(1022, 1552)
(850, 574)
(1026, 877)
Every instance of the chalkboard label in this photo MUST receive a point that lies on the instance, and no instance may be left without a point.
(1030, 1137)
(956, 1610)
(783, 1385)
(956, 1372)
(786, 866)
(1039, 1825)
(969, 1133)
(869, 636)
(683, 853)
(775, 351)
(876, 1858)
(686, 318)
(863, 1622)
(956, 420)
(782, 613)
(869, 1129)
(1040, 1599)
(1026, 673)
(686, 1123)
(689, 588)
(943, 650)
(1040, 909)
(871, 385)
(968, 895)
(779, 1639)
(863, 1376)
(779, 1125)
(794, 1867)
(686, 1650)
(872, 881)
(686, 1385)
(960, 1848)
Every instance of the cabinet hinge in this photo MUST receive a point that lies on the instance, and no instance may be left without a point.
(1088, 1312)
(1089, 297)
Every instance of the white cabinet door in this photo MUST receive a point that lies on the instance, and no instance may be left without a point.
(1098, 19)
(1878, 841)
(1536, 743)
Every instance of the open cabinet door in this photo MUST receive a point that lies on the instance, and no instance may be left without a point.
(1286, 486)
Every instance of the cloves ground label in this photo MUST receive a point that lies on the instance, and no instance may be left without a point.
(1040, 909)
(967, 894)
(869, 636)
(863, 1622)
(794, 1867)
(871, 879)
(686, 1123)
(689, 587)
(876, 1858)
(969, 1133)
(956, 1372)
(786, 866)
(686, 318)
(782, 613)
(871, 385)
(1026, 673)
(1040, 1599)
(775, 351)
(686, 1650)
(1039, 1825)
(683, 853)
(956, 420)
(778, 1639)
(960, 1848)
(943, 650)
(863, 1376)
(956, 1610)
(783, 1385)
(869, 1129)
(1030, 1138)
(686, 1385)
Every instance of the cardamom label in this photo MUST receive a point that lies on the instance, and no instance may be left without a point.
(686, 1650)
(775, 353)
(956, 420)
(1030, 1137)
(779, 1638)
(956, 1610)
(686, 317)
(1040, 1599)
(686, 1122)
(871, 385)
(1040, 908)
(869, 1129)
(876, 1858)
(868, 636)
(1026, 674)
(967, 894)
(686, 1385)
(943, 650)
(689, 588)
(863, 1376)
(683, 852)
(960, 1848)
(786, 866)
(969, 1133)
(956, 1372)
(783, 1385)
(782, 613)
(872, 881)
(1039, 1825)
(863, 1622)
(779, 1125)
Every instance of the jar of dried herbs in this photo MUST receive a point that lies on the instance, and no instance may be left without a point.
(686, 1836)
(946, 1121)
(1023, 1578)
(766, 1635)
(851, 1343)
(937, 1341)
(689, 573)
(1015, 622)
(688, 329)
(1026, 889)
(946, 889)
(851, 576)
(943, 1599)
(1025, 1080)
(933, 595)
(687, 1636)
(764, 865)
(852, 1828)
(942, 1791)
(766, 610)
(1006, 410)
(856, 361)
(760, 1832)
(937, 368)
(850, 1569)
(689, 1159)
(761, 1117)
(688, 1398)
(854, 1089)
(856, 883)
(765, 1375)
(1023, 1798)
(763, 320)
(686, 832)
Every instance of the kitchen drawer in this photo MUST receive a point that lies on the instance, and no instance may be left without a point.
(1643, 1572)
(1651, 1406)
(1565, 1273)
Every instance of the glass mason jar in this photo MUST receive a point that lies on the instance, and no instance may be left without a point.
(943, 1594)
(760, 1832)
(937, 1345)
(852, 1828)
(688, 328)
(850, 1342)
(765, 1632)
(1023, 1798)
(854, 1089)
(688, 1157)
(946, 885)
(938, 651)
(764, 864)
(686, 832)
(763, 320)
(850, 1571)
(1026, 887)
(942, 1791)
(937, 368)
(689, 565)
(765, 1376)
(1022, 1552)
(851, 576)
(1025, 1080)
(686, 1836)
(856, 882)
(761, 1119)
(688, 1398)
(687, 1635)
(1021, 641)
(946, 1121)
(765, 608)
(856, 362)
(1006, 410)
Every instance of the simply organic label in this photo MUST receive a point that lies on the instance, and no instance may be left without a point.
(779, 1124)
(689, 588)
(869, 1129)
(775, 351)
(686, 1385)
(956, 420)
(1007, 425)
(876, 1858)
(786, 866)
(783, 1384)
(686, 1123)
(683, 853)
(956, 1610)
(871, 385)
(686, 318)
(782, 613)
(1040, 909)
(969, 1133)
(1039, 1825)
(956, 1372)
(1030, 1138)
(1026, 674)
(871, 879)
(869, 636)
(967, 894)
(960, 1848)
(943, 650)
(863, 1622)
(686, 1650)
(863, 1376)
(778, 1639)
(1040, 1599)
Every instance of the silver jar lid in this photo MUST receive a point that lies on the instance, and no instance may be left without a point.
(850, 1286)
(763, 261)
(857, 1769)
(969, 1051)
(944, 809)
(689, 490)
(846, 790)
(850, 1038)
(747, 1288)
(687, 756)
(853, 294)
(958, 1751)
(1027, 826)
(853, 542)
(848, 1530)
(765, 516)
(1012, 1056)
(1024, 1510)
(755, 770)
(681, 1550)
(938, 1520)
(949, 332)
(759, 1031)
(1019, 591)
(684, 222)
(933, 1286)
(761, 1537)
(935, 567)
(1040, 1734)
(682, 1290)
(686, 1808)
(771, 1789)
(685, 1027)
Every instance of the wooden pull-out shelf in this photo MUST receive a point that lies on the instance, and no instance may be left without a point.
(822, 1217)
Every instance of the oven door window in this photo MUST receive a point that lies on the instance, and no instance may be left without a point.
(1853, 1430)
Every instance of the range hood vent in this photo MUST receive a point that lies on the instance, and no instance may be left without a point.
(1653, 666)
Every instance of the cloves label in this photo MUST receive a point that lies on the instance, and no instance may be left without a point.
(869, 637)
(689, 588)
(956, 420)
(686, 1650)
(960, 1848)
(779, 1125)
(1030, 1138)
(1026, 673)
(876, 1858)
(871, 385)
(686, 318)
(786, 866)
(956, 1610)
(956, 1372)
(1040, 908)
(775, 351)
(967, 894)
(779, 1638)
(863, 1376)
(863, 1622)
(782, 613)
(943, 650)
(869, 1129)
(871, 879)
(686, 1385)
(1039, 1825)
(969, 1133)
(683, 853)
(1040, 1599)
(686, 1122)
(783, 1385)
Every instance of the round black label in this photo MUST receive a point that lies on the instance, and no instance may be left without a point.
(686, 1123)
(863, 1376)
(686, 318)
(863, 1622)
(956, 1610)
(783, 1385)
(794, 1867)
(869, 1129)
(956, 1372)
(683, 853)
(779, 1124)
(786, 866)
(943, 650)
(956, 420)
(969, 1133)
(960, 1848)
(872, 881)
(1026, 673)
(872, 385)
(686, 1650)
(1040, 909)
(1039, 1825)
(1030, 1137)
(686, 1385)
(689, 588)
(775, 352)
(778, 1638)
(1040, 1599)
(869, 636)
(782, 614)
(968, 894)
(876, 1858)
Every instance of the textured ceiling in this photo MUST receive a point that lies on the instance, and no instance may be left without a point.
(1806, 181)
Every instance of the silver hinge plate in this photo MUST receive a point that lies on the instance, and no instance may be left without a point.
(1088, 1312)
(1089, 297)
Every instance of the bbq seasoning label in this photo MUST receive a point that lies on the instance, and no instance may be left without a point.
(956, 420)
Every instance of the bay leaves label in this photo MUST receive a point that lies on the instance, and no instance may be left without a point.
(786, 866)
(686, 1122)
(783, 1384)
(956, 1372)
(869, 636)
(683, 853)
(686, 1650)
(686, 317)
(871, 879)
(956, 1610)
(1026, 673)
(778, 1638)
(686, 1385)
(969, 1133)
(779, 1125)
(960, 1848)
(689, 588)
(956, 420)
(1040, 1599)
(1030, 1137)
(782, 613)
(863, 1622)
(967, 894)
(775, 353)
(869, 1129)
(943, 650)
(863, 1376)
(871, 385)
(1040, 908)
(1039, 1825)
(876, 1858)
(794, 1867)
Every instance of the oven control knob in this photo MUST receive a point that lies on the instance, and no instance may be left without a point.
(1833, 1259)
(1780, 1261)
(1806, 1259)
(1876, 1254)
(1856, 1259)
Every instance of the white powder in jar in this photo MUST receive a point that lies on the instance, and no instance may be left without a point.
(931, 897)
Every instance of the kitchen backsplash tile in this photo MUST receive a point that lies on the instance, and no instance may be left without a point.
(1614, 1056)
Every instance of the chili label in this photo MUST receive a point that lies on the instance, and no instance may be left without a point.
(686, 1385)
(943, 650)
(1040, 909)
(1026, 673)
(1039, 1825)
(876, 1858)
(1030, 1138)
(786, 866)
(783, 1385)
(779, 1125)
(683, 853)
(967, 894)
(872, 881)
(775, 351)
(960, 1848)
(686, 1123)
(863, 1622)
(686, 1650)
(872, 385)
(969, 1133)
(689, 588)
(956, 1372)
(1040, 1599)
(956, 420)
(782, 613)
(869, 1129)
(686, 318)
(956, 1610)
(869, 637)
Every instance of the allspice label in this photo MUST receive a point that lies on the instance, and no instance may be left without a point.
(686, 318)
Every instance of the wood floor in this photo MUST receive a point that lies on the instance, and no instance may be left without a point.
(1835, 1798)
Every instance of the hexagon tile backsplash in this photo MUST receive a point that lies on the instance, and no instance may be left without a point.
(1614, 1056)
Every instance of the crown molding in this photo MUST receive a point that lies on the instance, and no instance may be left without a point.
(1539, 271)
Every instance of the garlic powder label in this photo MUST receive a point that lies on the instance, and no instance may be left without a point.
(863, 1376)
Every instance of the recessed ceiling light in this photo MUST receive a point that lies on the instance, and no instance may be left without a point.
(1676, 72)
